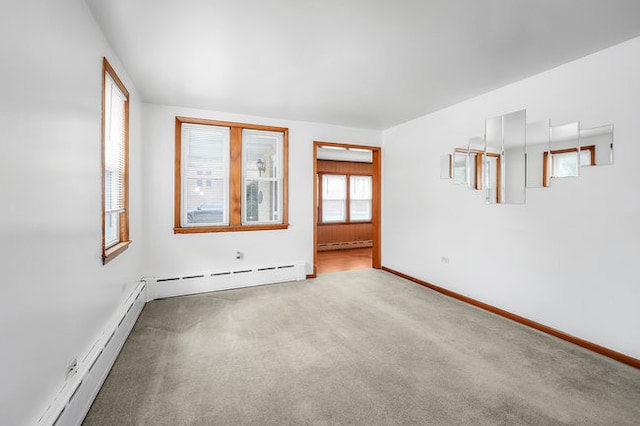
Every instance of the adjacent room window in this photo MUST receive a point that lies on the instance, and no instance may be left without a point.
(345, 198)
(334, 198)
(360, 198)
(115, 163)
(246, 176)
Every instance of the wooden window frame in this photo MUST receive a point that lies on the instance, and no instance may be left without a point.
(108, 254)
(546, 161)
(235, 178)
(347, 220)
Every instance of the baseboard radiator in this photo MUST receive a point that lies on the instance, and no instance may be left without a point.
(345, 245)
(179, 285)
(72, 403)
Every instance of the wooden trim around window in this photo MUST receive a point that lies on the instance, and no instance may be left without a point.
(626, 359)
(108, 254)
(235, 178)
(347, 220)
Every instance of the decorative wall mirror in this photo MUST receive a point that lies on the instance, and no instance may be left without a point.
(537, 146)
(514, 155)
(505, 158)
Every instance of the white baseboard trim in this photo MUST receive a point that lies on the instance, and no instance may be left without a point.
(70, 406)
(72, 403)
(171, 286)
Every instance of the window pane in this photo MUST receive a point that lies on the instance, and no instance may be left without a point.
(360, 210)
(206, 152)
(360, 198)
(114, 160)
(262, 154)
(333, 211)
(334, 198)
(111, 229)
(261, 201)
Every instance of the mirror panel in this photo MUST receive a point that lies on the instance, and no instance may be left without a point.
(537, 145)
(445, 166)
(514, 157)
(598, 141)
(504, 177)
(459, 166)
(563, 159)
(475, 151)
(491, 176)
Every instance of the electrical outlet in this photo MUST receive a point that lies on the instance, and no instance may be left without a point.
(72, 369)
(445, 259)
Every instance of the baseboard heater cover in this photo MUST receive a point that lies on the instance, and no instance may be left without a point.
(72, 403)
(170, 286)
(345, 245)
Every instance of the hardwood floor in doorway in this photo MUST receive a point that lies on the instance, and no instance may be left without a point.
(344, 260)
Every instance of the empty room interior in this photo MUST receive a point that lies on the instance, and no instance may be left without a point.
(175, 175)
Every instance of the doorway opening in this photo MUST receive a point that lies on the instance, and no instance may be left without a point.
(346, 207)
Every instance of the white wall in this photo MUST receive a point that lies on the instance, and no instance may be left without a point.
(568, 258)
(55, 294)
(170, 254)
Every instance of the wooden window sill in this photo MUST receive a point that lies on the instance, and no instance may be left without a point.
(112, 252)
(230, 228)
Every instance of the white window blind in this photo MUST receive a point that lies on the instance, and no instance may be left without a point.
(205, 175)
(262, 176)
(114, 160)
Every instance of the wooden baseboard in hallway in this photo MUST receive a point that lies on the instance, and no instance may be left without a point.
(344, 260)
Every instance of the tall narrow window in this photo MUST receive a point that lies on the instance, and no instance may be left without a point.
(115, 150)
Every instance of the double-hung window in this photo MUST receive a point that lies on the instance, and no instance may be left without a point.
(229, 176)
(360, 198)
(205, 152)
(334, 198)
(262, 176)
(345, 198)
(115, 155)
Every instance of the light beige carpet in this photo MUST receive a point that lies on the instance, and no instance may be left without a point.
(353, 348)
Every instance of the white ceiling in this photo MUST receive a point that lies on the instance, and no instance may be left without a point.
(359, 63)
